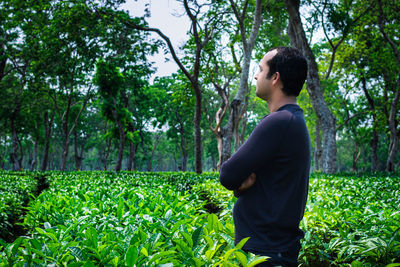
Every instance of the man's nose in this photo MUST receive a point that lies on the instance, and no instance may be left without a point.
(255, 76)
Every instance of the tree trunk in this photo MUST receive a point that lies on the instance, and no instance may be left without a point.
(394, 135)
(47, 134)
(318, 148)
(3, 60)
(21, 152)
(78, 155)
(214, 167)
(2, 155)
(35, 152)
(220, 150)
(132, 156)
(155, 143)
(122, 137)
(226, 134)
(65, 153)
(242, 118)
(374, 140)
(326, 118)
(184, 153)
(238, 104)
(374, 146)
(16, 166)
(66, 127)
(135, 158)
(356, 156)
(146, 156)
(106, 153)
(197, 131)
(219, 131)
(182, 143)
(244, 125)
(177, 150)
(65, 120)
(104, 150)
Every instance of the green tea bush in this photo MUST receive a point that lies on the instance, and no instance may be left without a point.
(16, 189)
(133, 219)
(185, 219)
(352, 219)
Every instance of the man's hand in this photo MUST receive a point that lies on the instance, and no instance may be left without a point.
(247, 183)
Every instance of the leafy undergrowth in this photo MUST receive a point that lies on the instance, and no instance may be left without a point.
(129, 219)
(352, 219)
(16, 189)
(185, 219)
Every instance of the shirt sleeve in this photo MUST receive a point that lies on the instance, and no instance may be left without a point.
(259, 148)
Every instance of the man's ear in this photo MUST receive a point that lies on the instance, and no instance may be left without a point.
(276, 78)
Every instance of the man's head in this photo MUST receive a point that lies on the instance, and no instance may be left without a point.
(284, 68)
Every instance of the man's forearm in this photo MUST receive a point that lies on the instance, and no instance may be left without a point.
(228, 177)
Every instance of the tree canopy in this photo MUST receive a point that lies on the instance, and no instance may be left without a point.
(78, 89)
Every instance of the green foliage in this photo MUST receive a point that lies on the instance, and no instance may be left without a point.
(16, 190)
(49, 50)
(149, 218)
(352, 219)
(108, 78)
(176, 106)
(130, 219)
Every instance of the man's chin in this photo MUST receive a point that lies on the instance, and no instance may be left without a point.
(261, 97)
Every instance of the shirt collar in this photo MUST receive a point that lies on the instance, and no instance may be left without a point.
(286, 107)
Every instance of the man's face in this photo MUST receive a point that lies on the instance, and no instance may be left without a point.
(264, 85)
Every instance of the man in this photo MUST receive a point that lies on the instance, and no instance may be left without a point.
(269, 173)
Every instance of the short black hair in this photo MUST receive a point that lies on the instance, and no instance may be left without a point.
(292, 67)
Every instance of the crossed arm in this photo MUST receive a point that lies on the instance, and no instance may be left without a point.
(238, 172)
(246, 184)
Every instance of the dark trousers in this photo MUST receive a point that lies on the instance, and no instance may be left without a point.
(285, 259)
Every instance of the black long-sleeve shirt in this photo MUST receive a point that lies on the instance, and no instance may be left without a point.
(278, 152)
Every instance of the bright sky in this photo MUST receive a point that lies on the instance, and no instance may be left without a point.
(169, 17)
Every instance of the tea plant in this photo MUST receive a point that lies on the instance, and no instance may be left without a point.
(15, 192)
(123, 221)
(185, 219)
(352, 219)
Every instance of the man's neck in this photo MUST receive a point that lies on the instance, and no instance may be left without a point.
(275, 105)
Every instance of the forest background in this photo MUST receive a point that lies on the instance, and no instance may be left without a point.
(78, 90)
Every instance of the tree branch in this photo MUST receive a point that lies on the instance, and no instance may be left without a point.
(350, 118)
(387, 38)
(80, 111)
(256, 23)
(163, 36)
(209, 121)
(335, 47)
(241, 22)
